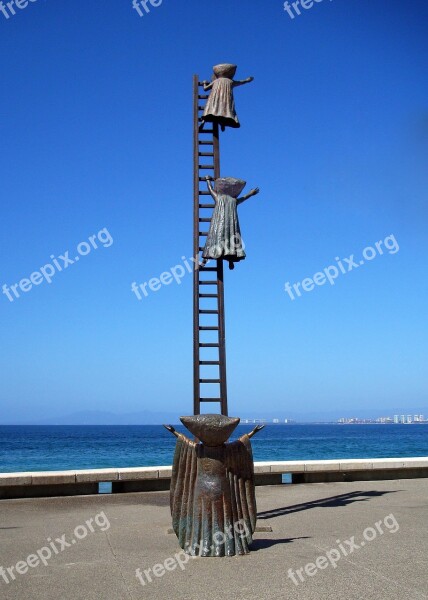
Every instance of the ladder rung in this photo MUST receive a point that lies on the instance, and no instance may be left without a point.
(204, 311)
(209, 381)
(206, 130)
(211, 282)
(206, 205)
(209, 399)
(206, 328)
(203, 233)
(201, 248)
(208, 295)
(204, 193)
(209, 362)
(202, 178)
(203, 96)
(206, 143)
(209, 345)
(208, 268)
(204, 220)
(206, 153)
(207, 167)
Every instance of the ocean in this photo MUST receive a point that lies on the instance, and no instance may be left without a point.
(51, 448)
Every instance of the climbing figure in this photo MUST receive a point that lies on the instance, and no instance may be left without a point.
(220, 107)
(224, 237)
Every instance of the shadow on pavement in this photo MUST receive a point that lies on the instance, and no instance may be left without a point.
(341, 500)
(263, 544)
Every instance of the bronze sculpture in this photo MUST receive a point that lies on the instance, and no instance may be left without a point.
(224, 239)
(220, 107)
(213, 503)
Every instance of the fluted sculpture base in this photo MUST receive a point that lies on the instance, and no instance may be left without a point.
(213, 503)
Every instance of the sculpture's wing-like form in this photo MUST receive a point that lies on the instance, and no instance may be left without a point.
(240, 475)
(213, 503)
(183, 489)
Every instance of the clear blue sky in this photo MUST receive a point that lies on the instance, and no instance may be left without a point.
(96, 133)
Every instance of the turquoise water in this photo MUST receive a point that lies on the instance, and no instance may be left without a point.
(51, 448)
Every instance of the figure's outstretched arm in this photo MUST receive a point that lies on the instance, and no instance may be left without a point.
(253, 192)
(210, 188)
(255, 430)
(207, 85)
(172, 430)
(179, 435)
(243, 81)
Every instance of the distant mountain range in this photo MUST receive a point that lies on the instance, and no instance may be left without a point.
(159, 417)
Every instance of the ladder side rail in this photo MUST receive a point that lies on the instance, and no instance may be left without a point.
(196, 333)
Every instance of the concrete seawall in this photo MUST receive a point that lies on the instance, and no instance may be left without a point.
(140, 479)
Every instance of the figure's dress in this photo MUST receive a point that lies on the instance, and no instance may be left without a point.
(220, 105)
(212, 489)
(224, 237)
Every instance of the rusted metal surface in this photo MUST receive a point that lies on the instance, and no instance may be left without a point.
(220, 107)
(208, 280)
(213, 503)
(224, 240)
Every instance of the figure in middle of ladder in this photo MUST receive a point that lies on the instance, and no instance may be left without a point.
(220, 107)
(224, 239)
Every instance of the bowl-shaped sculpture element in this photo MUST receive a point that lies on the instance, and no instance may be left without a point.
(229, 186)
(211, 430)
(225, 70)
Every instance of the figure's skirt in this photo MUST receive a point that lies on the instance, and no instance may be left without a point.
(224, 121)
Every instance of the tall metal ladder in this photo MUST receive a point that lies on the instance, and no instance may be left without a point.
(209, 340)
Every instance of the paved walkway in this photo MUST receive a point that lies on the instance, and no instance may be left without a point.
(313, 527)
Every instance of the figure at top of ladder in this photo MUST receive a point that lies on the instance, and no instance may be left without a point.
(220, 107)
(224, 239)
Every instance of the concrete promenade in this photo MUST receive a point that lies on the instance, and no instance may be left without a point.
(124, 532)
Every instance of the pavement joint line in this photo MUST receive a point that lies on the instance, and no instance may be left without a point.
(125, 583)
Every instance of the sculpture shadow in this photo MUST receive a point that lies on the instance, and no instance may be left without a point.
(331, 502)
(262, 544)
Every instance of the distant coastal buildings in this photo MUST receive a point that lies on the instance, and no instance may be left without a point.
(397, 419)
(264, 421)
